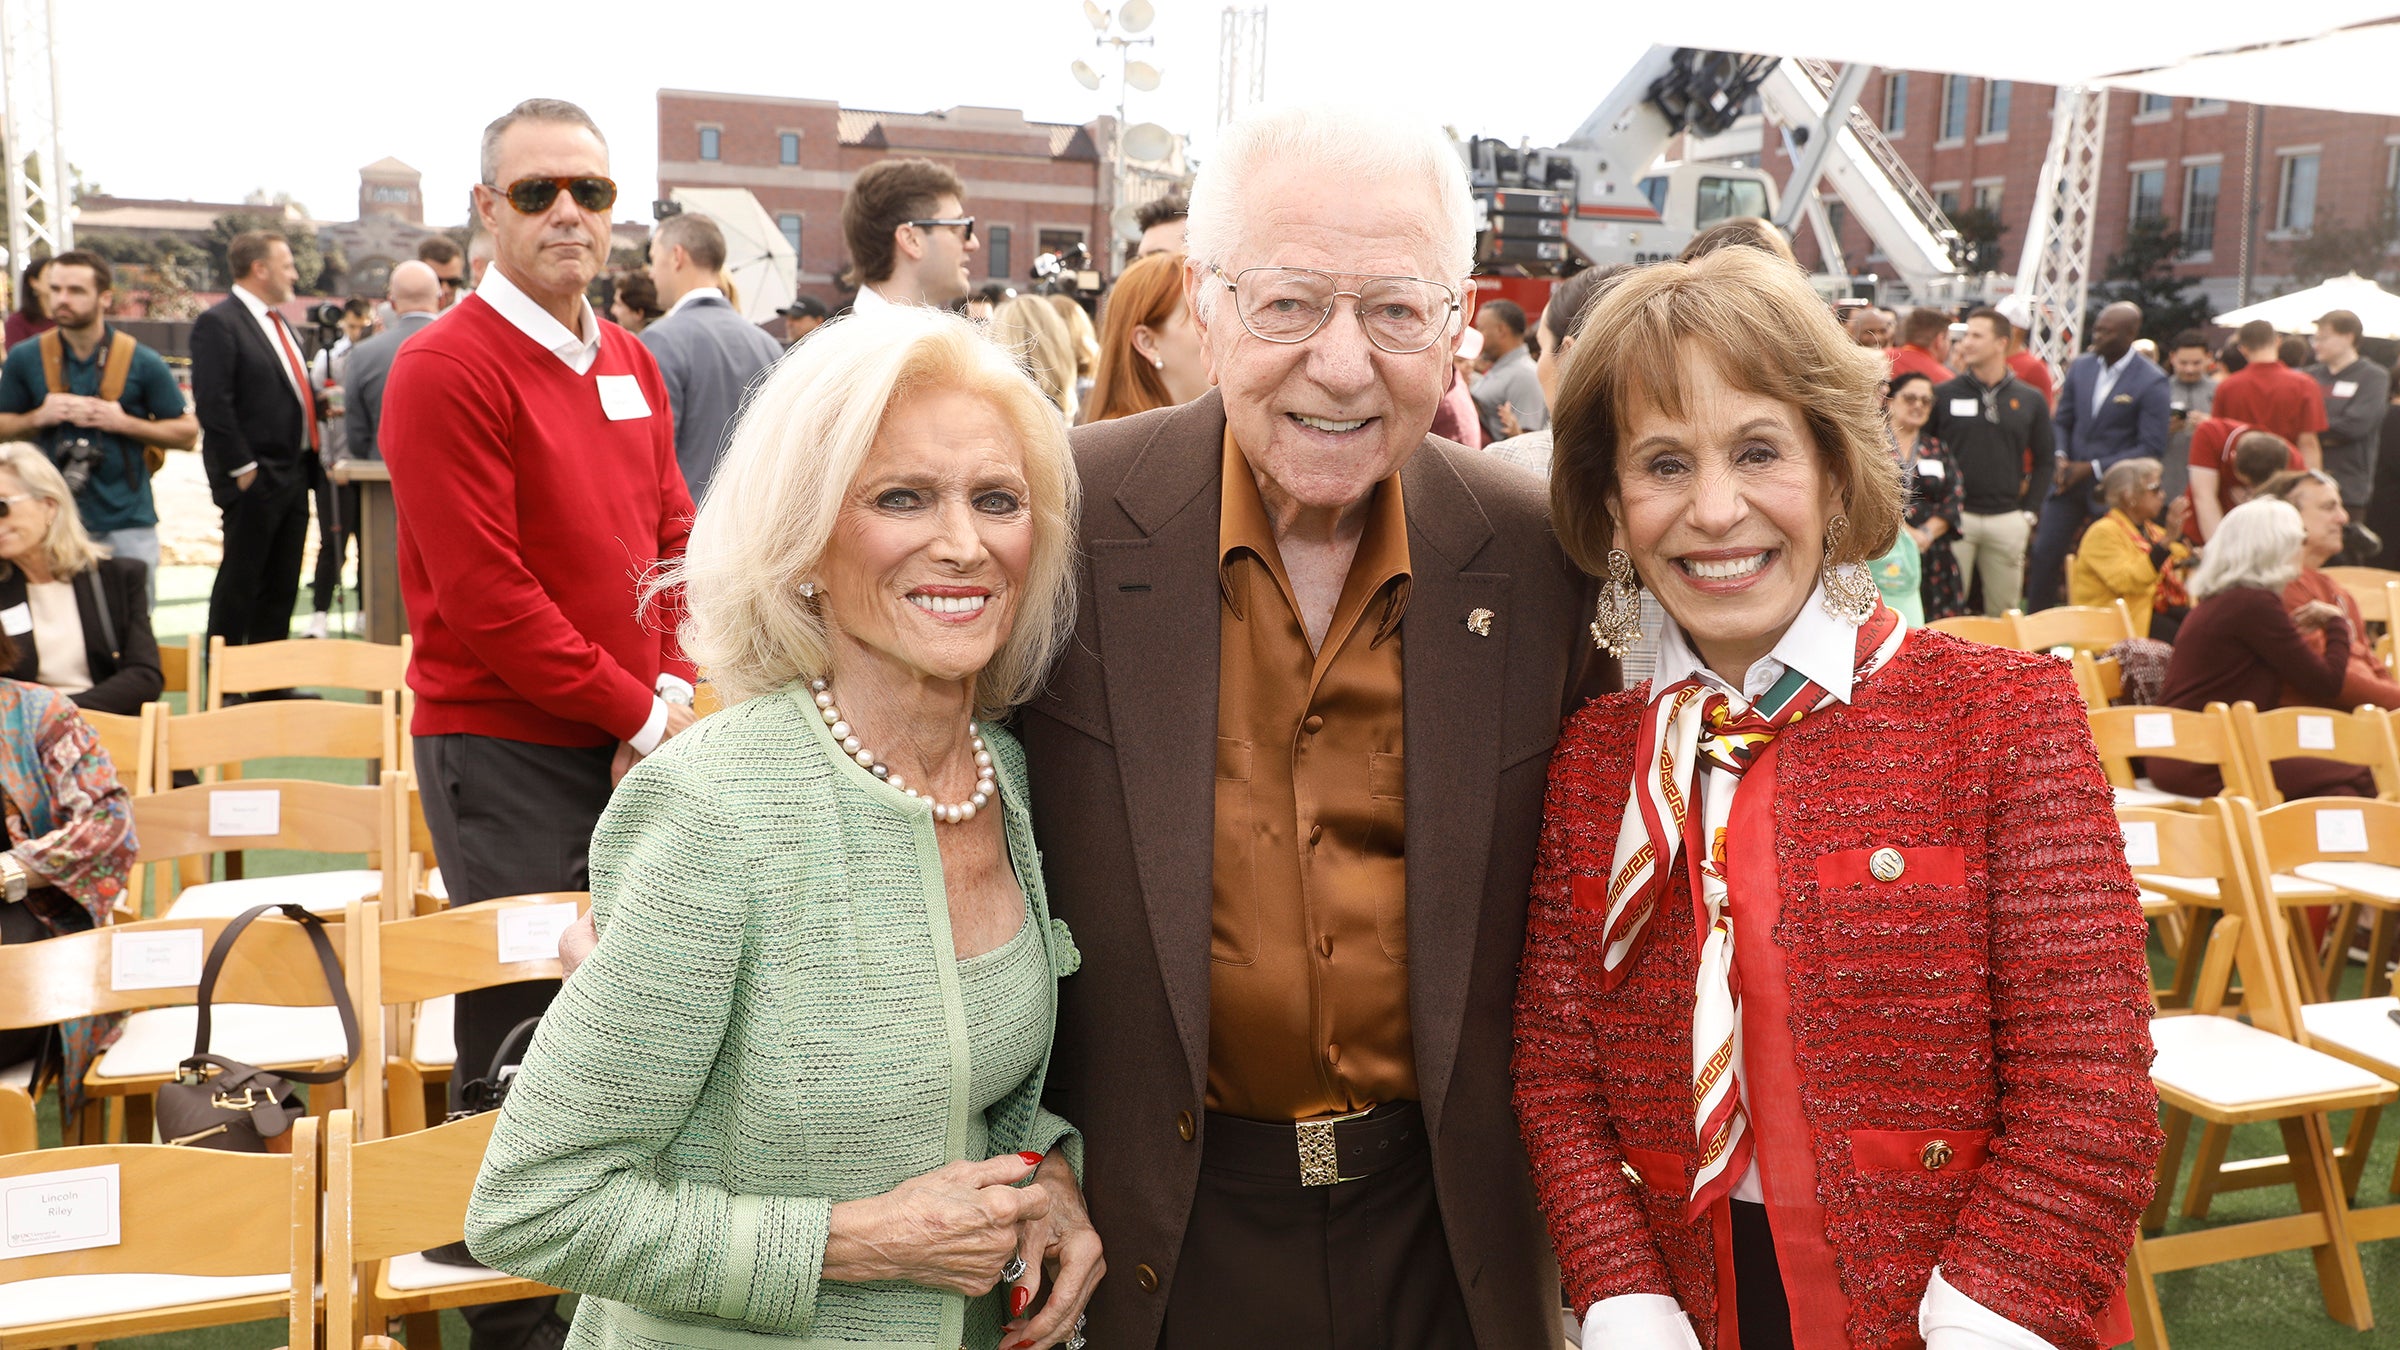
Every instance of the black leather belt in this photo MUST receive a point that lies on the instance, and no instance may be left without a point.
(1315, 1152)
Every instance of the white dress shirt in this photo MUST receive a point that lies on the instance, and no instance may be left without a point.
(2104, 381)
(578, 350)
(868, 298)
(1825, 650)
(695, 293)
(271, 324)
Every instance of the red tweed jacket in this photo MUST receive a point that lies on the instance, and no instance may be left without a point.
(1998, 986)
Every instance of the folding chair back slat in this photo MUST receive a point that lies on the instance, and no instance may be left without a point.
(2086, 628)
(1989, 631)
(286, 728)
(457, 950)
(180, 666)
(131, 741)
(2363, 738)
(2125, 734)
(300, 662)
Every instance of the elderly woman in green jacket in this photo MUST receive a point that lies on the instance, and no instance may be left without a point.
(795, 1090)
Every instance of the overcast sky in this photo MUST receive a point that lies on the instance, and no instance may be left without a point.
(164, 98)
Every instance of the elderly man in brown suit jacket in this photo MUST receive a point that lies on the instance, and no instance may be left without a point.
(1288, 781)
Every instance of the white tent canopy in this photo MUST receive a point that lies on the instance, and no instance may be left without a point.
(2344, 70)
(757, 256)
(2378, 310)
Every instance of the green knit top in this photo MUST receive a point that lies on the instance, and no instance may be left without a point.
(773, 1021)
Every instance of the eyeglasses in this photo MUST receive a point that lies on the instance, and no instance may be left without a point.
(964, 223)
(1915, 400)
(1401, 315)
(533, 196)
(8, 504)
(454, 283)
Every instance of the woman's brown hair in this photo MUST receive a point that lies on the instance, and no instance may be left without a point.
(1756, 317)
(1146, 295)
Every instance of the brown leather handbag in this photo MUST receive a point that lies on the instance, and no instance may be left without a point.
(220, 1103)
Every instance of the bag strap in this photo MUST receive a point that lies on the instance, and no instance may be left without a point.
(89, 580)
(315, 928)
(512, 1045)
(119, 369)
(54, 358)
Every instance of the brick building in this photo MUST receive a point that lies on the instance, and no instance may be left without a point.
(2215, 171)
(1033, 187)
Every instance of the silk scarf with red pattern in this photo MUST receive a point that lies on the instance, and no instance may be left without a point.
(1695, 744)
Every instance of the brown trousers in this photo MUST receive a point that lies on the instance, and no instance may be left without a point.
(1358, 1266)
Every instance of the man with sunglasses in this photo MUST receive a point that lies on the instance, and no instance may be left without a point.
(1289, 775)
(533, 461)
(449, 264)
(909, 233)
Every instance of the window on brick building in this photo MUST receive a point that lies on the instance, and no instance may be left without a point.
(1058, 241)
(1947, 199)
(789, 145)
(2391, 174)
(790, 225)
(1837, 219)
(2200, 207)
(2149, 197)
(1987, 197)
(2154, 104)
(1995, 107)
(2207, 105)
(1954, 107)
(1895, 103)
(709, 137)
(2296, 204)
(995, 247)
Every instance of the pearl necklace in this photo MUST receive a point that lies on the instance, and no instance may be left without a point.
(949, 813)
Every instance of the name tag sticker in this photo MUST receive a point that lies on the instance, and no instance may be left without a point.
(532, 933)
(234, 814)
(621, 398)
(16, 620)
(1966, 407)
(1932, 468)
(2342, 831)
(169, 960)
(2153, 731)
(60, 1211)
(2345, 388)
(2141, 843)
(2316, 733)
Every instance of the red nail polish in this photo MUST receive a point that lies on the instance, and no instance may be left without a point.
(1018, 1300)
(1031, 1158)
(1022, 1345)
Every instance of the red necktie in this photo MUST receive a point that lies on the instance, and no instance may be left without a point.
(308, 402)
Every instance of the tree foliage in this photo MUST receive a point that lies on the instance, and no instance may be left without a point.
(2331, 249)
(307, 256)
(2143, 272)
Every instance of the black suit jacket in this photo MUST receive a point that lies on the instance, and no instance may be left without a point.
(125, 673)
(1122, 751)
(248, 413)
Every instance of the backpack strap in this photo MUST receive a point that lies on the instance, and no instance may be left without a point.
(121, 348)
(54, 361)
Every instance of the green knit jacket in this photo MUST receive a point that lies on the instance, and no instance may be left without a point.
(771, 1023)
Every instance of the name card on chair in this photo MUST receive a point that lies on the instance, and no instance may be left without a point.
(2341, 831)
(532, 932)
(254, 812)
(59, 1211)
(2316, 733)
(169, 960)
(2154, 731)
(2141, 842)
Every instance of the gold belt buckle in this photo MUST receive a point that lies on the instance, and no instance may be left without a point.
(1320, 1159)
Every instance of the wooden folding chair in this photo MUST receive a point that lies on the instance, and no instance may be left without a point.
(423, 962)
(271, 813)
(320, 663)
(131, 741)
(2363, 738)
(2123, 735)
(386, 1201)
(2225, 1072)
(2100, 679)
(2086, 628)
(2180, 892)
(1978, 628)
(181, 668)
(204, 1239)
(2376, 592)
(270, 1008)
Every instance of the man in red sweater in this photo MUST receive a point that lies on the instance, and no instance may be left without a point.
(2272, 396)
(533, 461)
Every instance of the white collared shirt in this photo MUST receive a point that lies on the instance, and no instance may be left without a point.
(579, 349)
(2105, 382)
(1818, 645)
(271, 324)
(695, 293)
(868, 298)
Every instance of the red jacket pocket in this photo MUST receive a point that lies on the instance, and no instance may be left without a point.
(1654, 1169)
(1919, 1151)
(1945, 865)
(1589, 894)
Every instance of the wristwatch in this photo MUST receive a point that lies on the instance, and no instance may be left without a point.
(14, 876)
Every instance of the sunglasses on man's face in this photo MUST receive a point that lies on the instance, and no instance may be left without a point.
(453, 283)
(533, 196)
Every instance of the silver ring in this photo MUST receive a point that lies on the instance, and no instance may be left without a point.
(1013, 1271)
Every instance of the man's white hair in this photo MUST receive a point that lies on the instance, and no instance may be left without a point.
(1342, 144)
(2257, 544)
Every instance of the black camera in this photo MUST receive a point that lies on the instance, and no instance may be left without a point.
(77, 452)
(325, 314)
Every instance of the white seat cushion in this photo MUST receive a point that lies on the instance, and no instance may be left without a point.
(155, 1040)
(2155, 903)
(437, 1031)
(2362, 1026)
(2152, 798)
(59, 1297)
(2287, 887)
(2232, 1064)
(326, 894)
(2366, 878)
(413, 1272)
(435, 886)
(18, 1076)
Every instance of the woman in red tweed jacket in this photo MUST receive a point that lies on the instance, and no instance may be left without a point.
(1833, 1023)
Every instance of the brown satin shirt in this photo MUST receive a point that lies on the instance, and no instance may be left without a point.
(1309, 951)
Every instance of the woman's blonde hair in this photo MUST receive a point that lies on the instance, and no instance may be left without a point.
(1080, 334)
(1028, 327)
(2257, 544)
(1755, 316)
(70, 550)
(798, 445)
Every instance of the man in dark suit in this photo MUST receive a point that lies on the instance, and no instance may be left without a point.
(1290, 776)
(2113, 406)
(416, 302)
(708, 354)
(258, 421)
